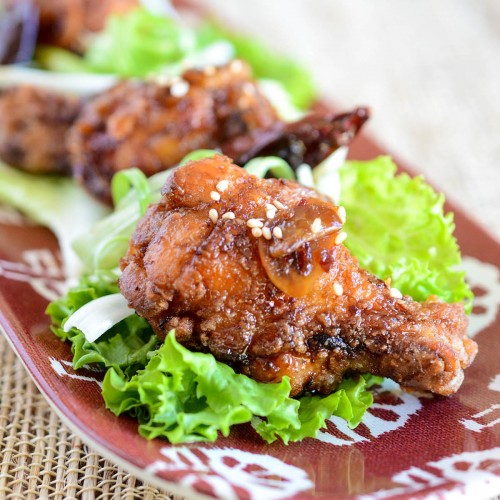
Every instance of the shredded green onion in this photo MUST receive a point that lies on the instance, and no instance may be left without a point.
(277, 166)
(133, 178)
(198, 155)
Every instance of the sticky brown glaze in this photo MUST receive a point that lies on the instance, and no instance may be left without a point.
(296, 304)
(153, 126)
(309, 140)
(33, 126)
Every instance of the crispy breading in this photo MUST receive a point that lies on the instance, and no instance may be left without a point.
(33, 126)
(295, 304)
(152, 126)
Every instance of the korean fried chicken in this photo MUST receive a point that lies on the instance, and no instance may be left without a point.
(255, 272)
(33, 126)
(152, 126)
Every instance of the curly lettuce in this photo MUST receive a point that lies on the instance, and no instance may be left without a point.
(398, 229)
(186, 397)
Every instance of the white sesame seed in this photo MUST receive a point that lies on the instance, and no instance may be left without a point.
(214, 215)
(222, 185)
(229, 215)
(249, 88)
(396, 294)
(180, 88)
(236, 66)
(270, 214)
(278, 233)
(254, 223)
(266, 232)
(337, 289)
(279, 205)
(340, 238)
(257, 232)
(342, 214)
(269, 206)
(215, 195)
(316, 225)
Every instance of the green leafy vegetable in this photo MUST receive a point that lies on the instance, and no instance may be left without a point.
(124, 347)
(107, 241)
(139, 43)
(178, 396)
(41, 197)
(60, 60)
(264, 164)
(122, 183)
(397, 229)
(198, 155)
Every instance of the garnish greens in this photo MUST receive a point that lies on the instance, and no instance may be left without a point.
(141, 43)
(397, 229)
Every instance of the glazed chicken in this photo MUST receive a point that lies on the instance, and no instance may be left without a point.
(33, 126)
(152, 126)
(255, 272)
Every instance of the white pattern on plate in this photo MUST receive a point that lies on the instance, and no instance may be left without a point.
(487, 278)
(402, 406)
(227, 470)
(476, 473)
(41, 269)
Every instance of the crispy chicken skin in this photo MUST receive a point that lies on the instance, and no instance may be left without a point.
(153, 126)
(33, 125)
(291, 301)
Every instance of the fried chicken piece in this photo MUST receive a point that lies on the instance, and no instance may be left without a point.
(153, 126)
(273, 292)
(33, 125)
(309, 140)
(67, 23)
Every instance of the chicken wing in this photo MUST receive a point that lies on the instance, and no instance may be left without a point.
(153, 126)
(255, 272)
(33, 126)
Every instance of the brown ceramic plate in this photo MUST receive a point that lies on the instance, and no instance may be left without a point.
(407, 446)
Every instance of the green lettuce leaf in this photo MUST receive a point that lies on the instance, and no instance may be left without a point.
(124, 347)
(397, 229)
(178, 396)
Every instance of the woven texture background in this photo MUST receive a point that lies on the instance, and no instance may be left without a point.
(431, 73)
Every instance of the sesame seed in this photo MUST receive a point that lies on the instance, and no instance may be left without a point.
(179, 89)
(342, 214)
(337, 289)
(340, 238)
(269, 206)
(229, 215)
(249, 88)
(266, 232)
(316, 225)
(236, 66)
(270, 214)
(215, 195)
(279, 205)
(257, 232)
(214, 215)
(278, 233)
(396, 294)
(254, 223)
(222, 185)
